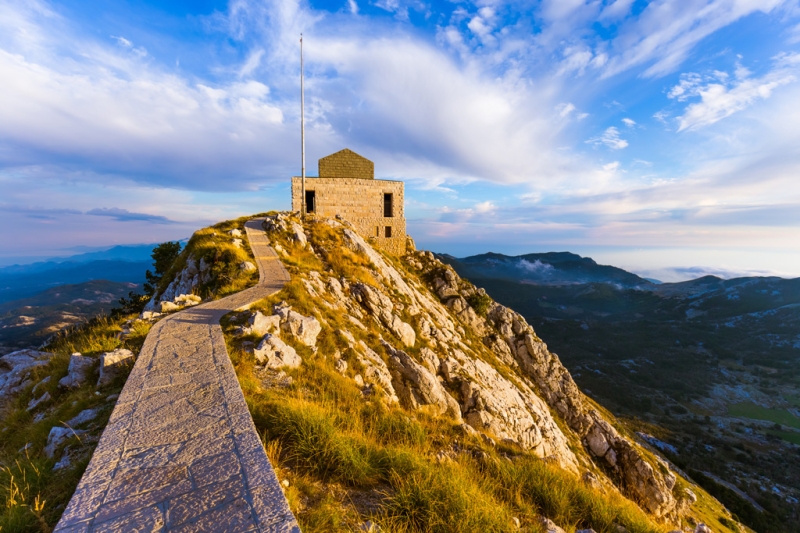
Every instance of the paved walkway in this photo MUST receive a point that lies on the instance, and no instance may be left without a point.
(180, 452)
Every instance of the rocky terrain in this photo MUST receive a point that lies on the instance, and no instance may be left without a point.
(412, 333)
(707, 369)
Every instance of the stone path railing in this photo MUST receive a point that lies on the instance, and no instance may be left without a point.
(180, 452)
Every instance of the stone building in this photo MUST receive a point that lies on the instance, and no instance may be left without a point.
(346, 186)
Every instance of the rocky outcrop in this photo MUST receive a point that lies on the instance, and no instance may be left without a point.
(78, 372)
(417, 386)
(443, 346)
(16, 368)
(178, 293)
(113, 364)
(493, 404)
(272, 352)
(515, 342)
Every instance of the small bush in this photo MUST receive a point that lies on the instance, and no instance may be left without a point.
(480, 303)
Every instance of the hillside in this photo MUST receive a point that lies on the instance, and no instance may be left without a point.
(709, 366)
(387, 391)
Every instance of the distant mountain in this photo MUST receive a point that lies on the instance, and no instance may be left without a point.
(124, 264)
(552, 268)
(21, 284)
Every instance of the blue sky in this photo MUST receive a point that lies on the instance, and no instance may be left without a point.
(662, 137)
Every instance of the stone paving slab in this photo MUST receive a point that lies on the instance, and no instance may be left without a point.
(180, 451)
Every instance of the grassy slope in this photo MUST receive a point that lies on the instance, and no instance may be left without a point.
(349, 459)
(32, 495)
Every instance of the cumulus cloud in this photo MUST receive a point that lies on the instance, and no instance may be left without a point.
(609, 138)
(629, 122)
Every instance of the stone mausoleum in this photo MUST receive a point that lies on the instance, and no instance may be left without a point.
(347, 187)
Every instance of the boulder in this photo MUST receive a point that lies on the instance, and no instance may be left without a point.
(702, 528)
(78, 372)
(87, 415)
(247, 266)
(235, 232)
(298, 234)
(237, 243)
(57, 437)
(260, 324)
(272, 352)
(187, 300)
(112, 364)
(416, 386)
(304, 328)
(550, 526)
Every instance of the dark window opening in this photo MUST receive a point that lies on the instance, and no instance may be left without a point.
(388, 232)
(387, 204)
(311, 201)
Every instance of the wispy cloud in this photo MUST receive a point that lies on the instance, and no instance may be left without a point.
(721, 96)
(123, 215)
(610, 138)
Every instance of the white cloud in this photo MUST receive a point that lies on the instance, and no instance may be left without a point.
(484, 207)
(352, 6)
(720, 99)
(629, 122)
(667, 30)
(564, 109)
(609, 138)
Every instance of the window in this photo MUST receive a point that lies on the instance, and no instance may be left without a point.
(311, 201)
(388, 232)
(387, 204)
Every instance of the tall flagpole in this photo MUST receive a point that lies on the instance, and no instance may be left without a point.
(302, 134)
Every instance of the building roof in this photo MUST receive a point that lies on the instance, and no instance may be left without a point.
(346, 164)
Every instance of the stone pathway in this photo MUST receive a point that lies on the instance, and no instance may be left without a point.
(180, 452)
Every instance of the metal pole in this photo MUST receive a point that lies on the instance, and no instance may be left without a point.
(302, 134)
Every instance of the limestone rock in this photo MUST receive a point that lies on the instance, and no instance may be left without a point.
(112, 364)
(702, 528)
(237, 243)
(78, 371)
(417, 386)
(87, 415)
(551, 527)
(260, 324)
(653, 488)
(274, 353)
(57, 437)
(490, 402)
(15, 369)
(192, 275)
(375, 370)
(36, 402)
(341, 366)
(247, 266)
(235, 232)
(298, 234)
(276, 222)
(304, 328)
(382, 308)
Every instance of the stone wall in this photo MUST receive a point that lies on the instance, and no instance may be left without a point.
(346, 164)
(360, 202)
